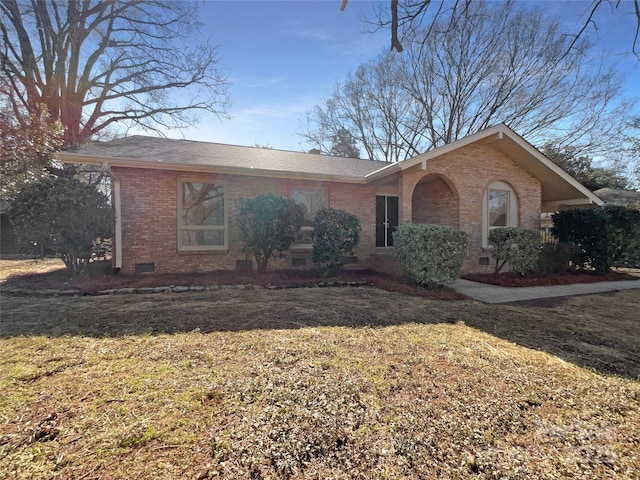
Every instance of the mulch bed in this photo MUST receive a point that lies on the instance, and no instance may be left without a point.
(60, 279)
(510, 279)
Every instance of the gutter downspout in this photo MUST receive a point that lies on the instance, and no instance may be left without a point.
(115, 181)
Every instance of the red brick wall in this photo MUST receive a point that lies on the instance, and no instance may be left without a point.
(150, 224)
(470, 170)
(150, 202)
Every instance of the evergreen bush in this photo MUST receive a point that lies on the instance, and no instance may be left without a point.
(602, 236)
(515, 246)
(554, 258)
(268, 226)
(431, 254)
(62, 216)
(336, 233)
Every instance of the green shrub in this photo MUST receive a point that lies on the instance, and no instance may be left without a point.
(518, 247)
(336, 233)
(588, 230)
(431, 254)
(602, 236)
(268, 226)
(63, 216)
(625, 234)
(554, 257)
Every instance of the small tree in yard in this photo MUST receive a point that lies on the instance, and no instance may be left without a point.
(61, 215)
(268, 226)
(517, 247)
(336, 233)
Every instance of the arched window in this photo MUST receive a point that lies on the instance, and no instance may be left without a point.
(499, 209)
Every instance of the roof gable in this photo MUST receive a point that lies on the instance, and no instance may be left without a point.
(558, 187)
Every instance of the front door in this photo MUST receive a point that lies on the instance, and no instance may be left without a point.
(386, 219)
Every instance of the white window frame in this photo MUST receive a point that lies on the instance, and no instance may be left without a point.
(308, 228)
(512, 209)
(182, 227)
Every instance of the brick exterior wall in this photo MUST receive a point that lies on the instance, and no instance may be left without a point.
(150, 206)
(469, 171)
(435, 202)
(150, 216)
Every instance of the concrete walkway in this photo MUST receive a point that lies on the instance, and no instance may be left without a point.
(494, 294)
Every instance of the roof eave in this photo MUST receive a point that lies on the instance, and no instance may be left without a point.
(590, 197)
(382, 172)
(557, 205)
(74, 158)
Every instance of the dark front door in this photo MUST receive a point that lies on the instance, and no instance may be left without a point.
(386, 219)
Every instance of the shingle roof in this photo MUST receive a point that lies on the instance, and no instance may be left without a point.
(158, 152)
(615, 196)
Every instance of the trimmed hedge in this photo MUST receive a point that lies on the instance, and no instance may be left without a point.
(626, 234)
(554, 258)
(431, 254)
(516, 246)
(601, 236)
(336, 233)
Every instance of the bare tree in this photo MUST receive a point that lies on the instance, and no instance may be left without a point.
(469, 71)
(633, 153)
(584, 169)
(96, 63)
(372, 105)
(403, 18)
(25, 151)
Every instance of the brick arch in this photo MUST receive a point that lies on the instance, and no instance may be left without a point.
(435, 200)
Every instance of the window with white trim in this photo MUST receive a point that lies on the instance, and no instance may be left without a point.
(202, 216)
(499, 209)
(313, 200)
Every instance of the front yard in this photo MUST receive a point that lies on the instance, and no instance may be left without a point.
(318, 383)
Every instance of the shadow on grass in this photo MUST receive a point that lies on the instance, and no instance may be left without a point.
(599, 332)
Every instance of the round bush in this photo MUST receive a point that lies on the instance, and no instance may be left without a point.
(431, 254)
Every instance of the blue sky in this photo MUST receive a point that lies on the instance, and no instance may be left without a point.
(283, 57)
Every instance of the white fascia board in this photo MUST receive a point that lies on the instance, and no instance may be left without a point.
(576, 202)
(530, 149)
(382, 172)
(498, 131)
(424, 157)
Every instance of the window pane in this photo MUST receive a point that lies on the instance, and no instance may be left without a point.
(194, 238)
(498, 208)
(202, 204)
(304, 236)
(312, 199)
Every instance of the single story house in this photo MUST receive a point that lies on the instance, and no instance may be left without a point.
(176, 201)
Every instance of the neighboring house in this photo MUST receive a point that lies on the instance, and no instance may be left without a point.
(176, 201)
(609, 196)
(616, 196)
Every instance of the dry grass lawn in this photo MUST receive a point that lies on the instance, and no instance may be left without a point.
(334, 383)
